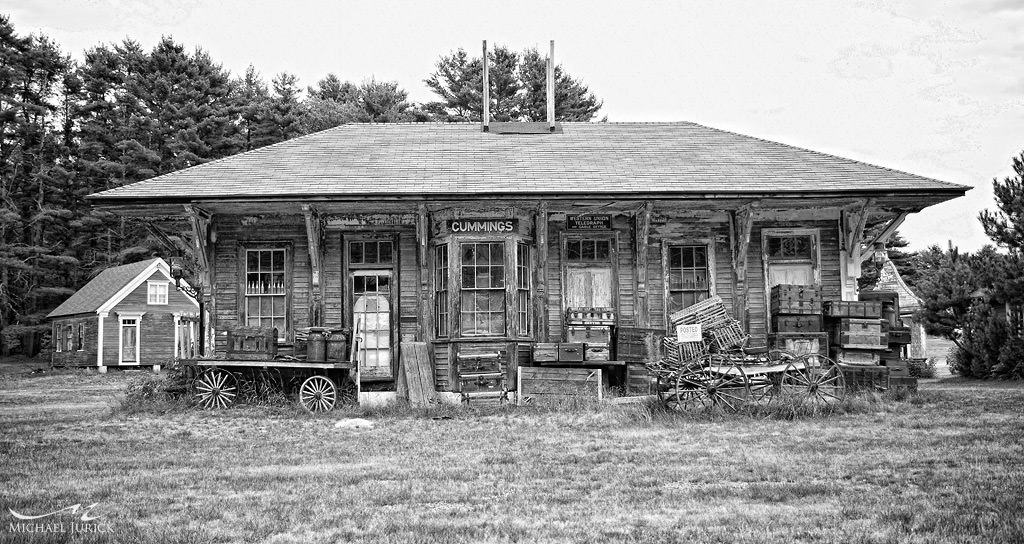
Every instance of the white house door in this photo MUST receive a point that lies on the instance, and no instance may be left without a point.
(373, 318)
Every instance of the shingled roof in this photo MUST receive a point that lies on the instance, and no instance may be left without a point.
(585, 158)
(98, 291)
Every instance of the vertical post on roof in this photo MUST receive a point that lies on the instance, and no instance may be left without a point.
(487, 93)
(551, 87)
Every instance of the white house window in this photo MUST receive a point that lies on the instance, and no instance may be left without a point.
(157, 292)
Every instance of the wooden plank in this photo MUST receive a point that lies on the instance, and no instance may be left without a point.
(558, 383)
(418, 373)
(540, 280)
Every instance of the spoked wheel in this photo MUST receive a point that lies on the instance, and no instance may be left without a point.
(814, 381)
(318, 394)
(215, 388)
(712, 386)
(348, 394)
(762, 387)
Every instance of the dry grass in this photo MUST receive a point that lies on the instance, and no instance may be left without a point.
(943, 466)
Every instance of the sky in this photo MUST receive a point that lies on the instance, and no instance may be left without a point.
(930, 87)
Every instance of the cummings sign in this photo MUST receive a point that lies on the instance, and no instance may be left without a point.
(483, 226)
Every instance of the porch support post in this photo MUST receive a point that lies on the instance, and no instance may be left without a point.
(852, 221)
(642, 232)
(423, 327)
(203, 240)
(540, 274)
(741, 223)
(314, 240)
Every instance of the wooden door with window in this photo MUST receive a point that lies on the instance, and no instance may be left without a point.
(589, 273)
(372, 304)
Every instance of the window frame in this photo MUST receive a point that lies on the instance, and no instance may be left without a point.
(137, 318)
(80, 339)
(666, 245)
(394, 300)
(509, 243)
(153, 288)
(243, 270)
(766, 262)
(612, 262)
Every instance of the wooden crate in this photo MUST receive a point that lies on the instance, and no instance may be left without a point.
(856, 357)
(890, 304)
(848, 332)
(545, 352)
(865, 378)
(903, 383)
(899, 335)
(546, 385)
(799, 343)
(795, 299)
(597, 352)
(590, 316)
(796, 323)
(849, 308)
(589, 334)
(709, 313)
(637, 345)
(898, 368)
(638, 380)
(481, 382)
(728, 336)
(251, 344)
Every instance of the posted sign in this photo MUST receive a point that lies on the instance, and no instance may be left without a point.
(689, 333)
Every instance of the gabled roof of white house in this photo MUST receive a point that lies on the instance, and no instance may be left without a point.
(110, 287)
(889, 279)
(428, 159)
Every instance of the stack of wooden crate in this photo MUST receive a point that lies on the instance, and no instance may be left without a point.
(636, 347)
(797, 320)
(856, 331)
(898, 338)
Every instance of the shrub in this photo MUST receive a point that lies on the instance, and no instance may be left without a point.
(923, 368)
(149, 393)
(1011, 360)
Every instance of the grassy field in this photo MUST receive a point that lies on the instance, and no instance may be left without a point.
(944, 466)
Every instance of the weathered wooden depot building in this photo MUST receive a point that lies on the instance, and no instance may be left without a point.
(467, 238)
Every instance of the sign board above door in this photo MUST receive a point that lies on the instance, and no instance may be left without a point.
(482, 226)
(588, 222)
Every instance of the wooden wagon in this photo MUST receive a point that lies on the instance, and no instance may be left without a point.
(253, 362)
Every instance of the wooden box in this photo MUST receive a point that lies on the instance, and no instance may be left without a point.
(251, 344)
(545, 353)
(795, 299)
(592, 334)
(866, 378)
(796, 323)
(636, 345)
(899, 335)
(856, 357)
(801, 343)
(905, 383)
(851, 308)
(854, 333)
(898, 368)
(569, 352)
(638, 379)
(728, 336)
(597, 352)
(590, 316)
(890, 304)
(544, 384)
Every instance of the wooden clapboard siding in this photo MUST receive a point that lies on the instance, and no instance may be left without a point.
(87, 355)
(334, 284)
(409, 289)
(442, 366)
(555, 229)
(626, 270)
(724, 274)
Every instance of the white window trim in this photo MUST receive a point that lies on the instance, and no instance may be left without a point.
(121, 317)
(150, 291)
(815, 235)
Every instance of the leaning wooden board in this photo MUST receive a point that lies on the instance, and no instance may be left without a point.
(419, 376)
(548, 384)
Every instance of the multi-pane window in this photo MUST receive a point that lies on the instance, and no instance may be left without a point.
(157, 293)
(69, 338)
(790, 247)
(790, 258)
(689, 278)
(265, 289)
(523, 288)
(483, 289)
(583, 251)
(370, 252)
(80, 339)
(58, 341)
(441, 290)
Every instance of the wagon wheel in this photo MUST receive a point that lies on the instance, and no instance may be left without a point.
(215, 388)
(762, 387)
(348, 393)
(710, 386)
(318, 394)
(815, 381)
